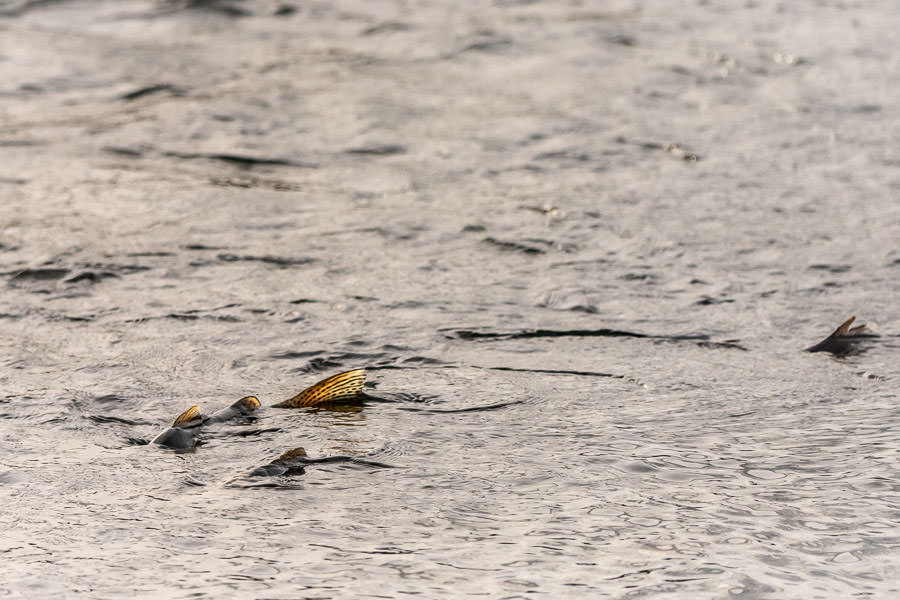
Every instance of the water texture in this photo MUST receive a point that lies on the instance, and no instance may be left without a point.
(580, 246)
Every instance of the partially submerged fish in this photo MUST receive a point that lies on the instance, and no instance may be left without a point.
(184, 432)
(844, 340)
(242, 408)
(294, 462)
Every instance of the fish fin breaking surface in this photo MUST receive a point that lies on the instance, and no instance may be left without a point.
(249, 403)
(187, 416)
(342, 386)
(844, 329)
(291, 454)
(844, 339)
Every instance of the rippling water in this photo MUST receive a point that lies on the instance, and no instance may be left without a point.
(580, 246)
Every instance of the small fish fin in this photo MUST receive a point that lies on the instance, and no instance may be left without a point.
(342, 386)
(858, 330)
(290, 454)
(187, 416)
(844, 329)
(249, 403)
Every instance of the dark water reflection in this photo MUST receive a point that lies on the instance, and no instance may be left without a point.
(580, 248)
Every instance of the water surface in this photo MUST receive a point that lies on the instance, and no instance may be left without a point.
(581, 248)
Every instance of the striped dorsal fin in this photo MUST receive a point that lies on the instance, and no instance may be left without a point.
(187, 416)
(342, 386)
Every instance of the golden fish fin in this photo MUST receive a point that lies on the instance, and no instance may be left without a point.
(844, 329)
(187, 416)
(249, 403)
(342, 386)
(296, 452)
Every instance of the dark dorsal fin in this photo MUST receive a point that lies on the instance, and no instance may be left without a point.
(296, 452)
(342, 386)
(187, 416)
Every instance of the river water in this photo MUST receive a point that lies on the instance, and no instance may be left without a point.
(580, 246)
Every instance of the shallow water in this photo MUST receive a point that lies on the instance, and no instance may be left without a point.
(580, 247)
